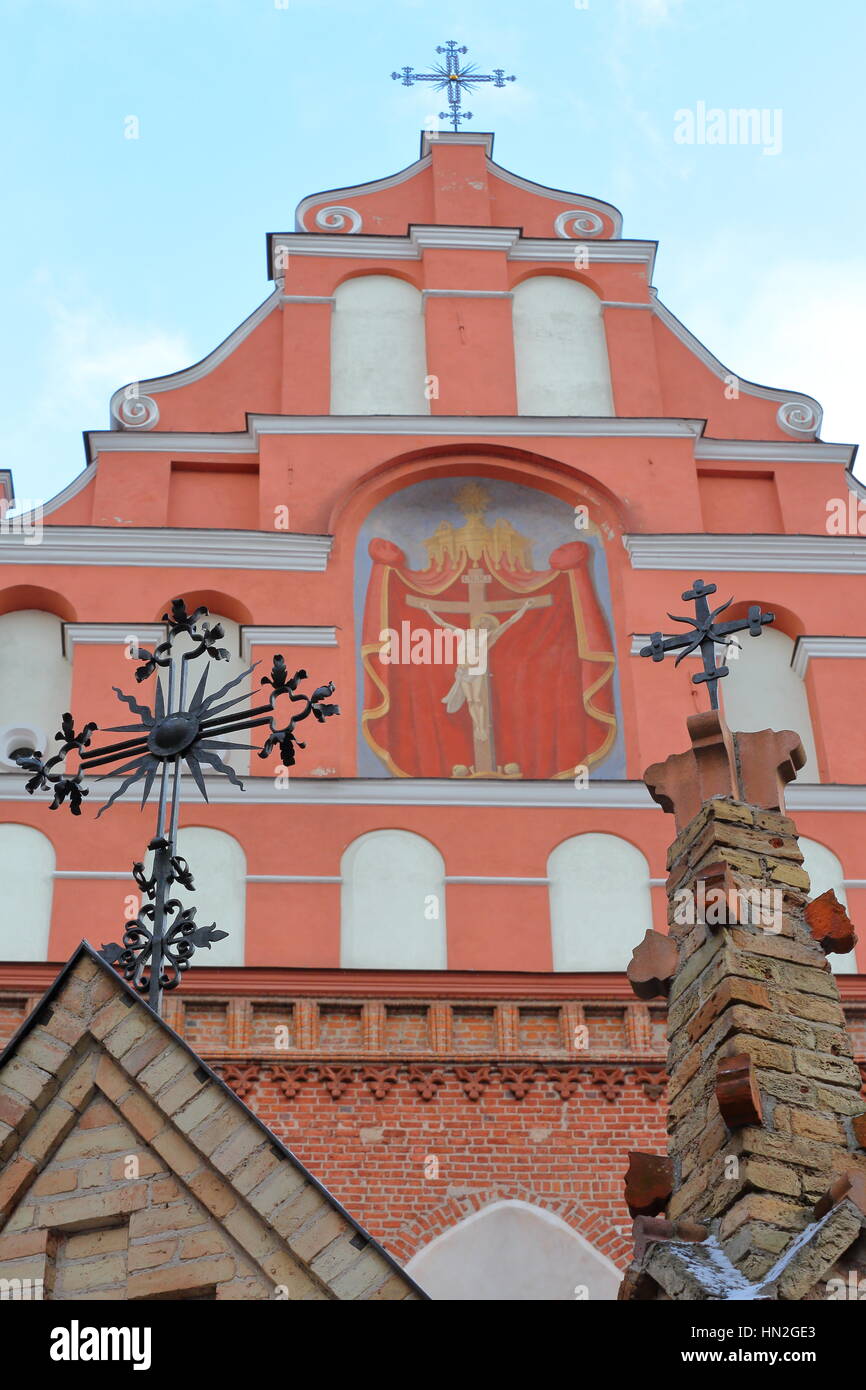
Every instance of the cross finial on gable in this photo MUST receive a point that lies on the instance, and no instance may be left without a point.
(454, 77)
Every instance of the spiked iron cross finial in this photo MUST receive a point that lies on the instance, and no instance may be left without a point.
(158, 943)
(455, 78)
(706, 635)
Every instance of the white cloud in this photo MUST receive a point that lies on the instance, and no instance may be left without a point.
(90, 352)
(82, 351)
(805, 322)
(651, 11)
(797, 324)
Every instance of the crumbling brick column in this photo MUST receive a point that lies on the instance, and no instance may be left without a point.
(763, 1089)
(756, 1143)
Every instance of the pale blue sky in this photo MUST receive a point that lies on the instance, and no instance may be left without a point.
(122, 259)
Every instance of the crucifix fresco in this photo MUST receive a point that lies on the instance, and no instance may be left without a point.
(472, 677)
(520, 640)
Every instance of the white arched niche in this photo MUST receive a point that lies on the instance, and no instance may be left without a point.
(514, 1252)
(27, 863)
(219, 870)
(35, 683)
(825, 871)
(560, 348)
(392, 914)
(763, 692)
(378, 352)
(220, 673)
(600, 902)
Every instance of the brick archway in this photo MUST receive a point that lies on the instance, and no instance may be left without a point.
(584, 1218)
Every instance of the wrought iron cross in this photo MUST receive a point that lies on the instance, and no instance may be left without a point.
(159, 942)
(706, 636)
(453, 77)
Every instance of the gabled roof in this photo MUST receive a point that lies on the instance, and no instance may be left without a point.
(326, 211)
(93, 1079)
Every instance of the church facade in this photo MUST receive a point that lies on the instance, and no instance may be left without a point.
(461, 462)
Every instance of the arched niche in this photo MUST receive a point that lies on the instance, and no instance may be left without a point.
(560, 348)
(544, 560)
(220, 673)
(392, 903)
(378, 352)
(219, 869)
(600, 902)
(27, 862)
(35, 683)
(825, 871)
(762, 691)
(513, 1251)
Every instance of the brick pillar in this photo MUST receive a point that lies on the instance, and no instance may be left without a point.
(763, 1088)
(755, 1142)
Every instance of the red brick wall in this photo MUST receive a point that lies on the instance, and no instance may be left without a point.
(568, 1156)
(491, 1094)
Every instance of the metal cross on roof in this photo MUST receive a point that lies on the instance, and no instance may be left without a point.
(159, 941)
(454, 78)
(707, 634)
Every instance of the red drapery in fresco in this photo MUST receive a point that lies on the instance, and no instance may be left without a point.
(550, 673)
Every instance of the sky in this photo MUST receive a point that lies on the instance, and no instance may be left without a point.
(126, 258)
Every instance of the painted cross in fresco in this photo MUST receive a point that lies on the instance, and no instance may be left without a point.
(472, 685)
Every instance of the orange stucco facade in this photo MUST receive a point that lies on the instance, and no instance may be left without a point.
(509, 1067)
(243, 448)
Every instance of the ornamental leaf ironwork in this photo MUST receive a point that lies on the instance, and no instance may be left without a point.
(179, 730)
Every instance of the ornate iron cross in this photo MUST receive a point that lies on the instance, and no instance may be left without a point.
(453, 77)
(707, 635)
(159, 942)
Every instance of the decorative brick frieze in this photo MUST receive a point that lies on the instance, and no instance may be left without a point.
(507, 1028)
(425, 1080)
(518, 1080)
(474, 1080)
(379, 1080)
(239, 1021)
(242, 1079)
(373, 1025)
(653, 1080)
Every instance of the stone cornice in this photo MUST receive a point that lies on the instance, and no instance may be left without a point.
(461, 427)
(807, 647)
(458, 427)
(259, 981)
(608, 252)
(360, 245)
(510, 795)
(774, 451)
(277, 637)
(34, 977)
(110, 634)
(168, 548)
(774, 554)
